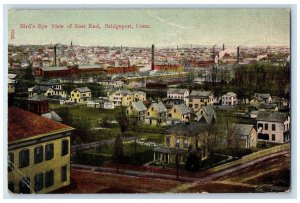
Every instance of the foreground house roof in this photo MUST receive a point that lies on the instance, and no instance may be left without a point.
(83, 89)
(24, 124)
(194, 128)
(139, 106)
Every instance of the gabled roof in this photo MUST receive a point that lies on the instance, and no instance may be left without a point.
(243, 129)
(24, 124)
(139, 106)
(124, 92)
(183, 109)
(200, 94)
(208, 110)
(272, 116)
(138, 92)
(41, 88)
(159, 107)
(83, 89)
(207, 118)
(194, 128)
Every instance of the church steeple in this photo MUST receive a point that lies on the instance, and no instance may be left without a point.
(71, 45)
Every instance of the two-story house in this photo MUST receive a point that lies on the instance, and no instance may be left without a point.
(229, 99)
(156, 114)
(179, 113)
(137, 110)
(38, 153)
(179, 139)
(177, 94)
(81, 95)
(196, 99)
(273, 127)
(121, 97)
(260, 98)
(206, 114)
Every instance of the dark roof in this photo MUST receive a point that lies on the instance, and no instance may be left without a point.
(208, 110)
(50, 82)
(272, 116)
(83, 89)
(200, 94)
(183, 109)
(193, 128)
(24, 124)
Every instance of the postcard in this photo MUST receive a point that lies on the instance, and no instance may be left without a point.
(149, 101)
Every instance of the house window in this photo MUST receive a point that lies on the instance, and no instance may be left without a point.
(72, 95)
(273, 137)
(190, 105)
(10, 164)
(262, 136)
(38, 182)
(64, 173)
(38, 154)
(169, 115)
(49, 151)
(273, 127)
(174, 110)
(260, 125)
(190, 100)
(64, 147)
(49, 178)
(266, 126)
(11, 187)
(196, 106)
(24, 158)
(24, 186)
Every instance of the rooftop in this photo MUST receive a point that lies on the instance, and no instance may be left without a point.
(139, 106)
(24, 124)
(272, 116)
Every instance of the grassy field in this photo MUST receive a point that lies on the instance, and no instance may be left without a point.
(89, 120)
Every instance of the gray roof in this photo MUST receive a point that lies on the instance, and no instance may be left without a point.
(40, 88)
(161, 149)
(83, 89)
(38, 97)
(139, 106)
(262, 96)
(200, 94)
(208, 110)
(183, 109)
(160, 107)
(53, 116)
(243, 129)
(124, 92)
(272, 116)
(50, 82)
(177, 91)
(232, 94)
(208, 118)
(192, 128)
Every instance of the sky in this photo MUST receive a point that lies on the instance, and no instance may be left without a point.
(168, 27)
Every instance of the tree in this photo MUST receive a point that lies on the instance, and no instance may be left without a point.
(118, 153)
(123, 120)
(193, 162)
(28, 73)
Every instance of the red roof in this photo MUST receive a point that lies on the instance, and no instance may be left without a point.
(24, 124)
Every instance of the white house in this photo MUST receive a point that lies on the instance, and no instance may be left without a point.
(177, 93)
(273, 127)
(229, 98)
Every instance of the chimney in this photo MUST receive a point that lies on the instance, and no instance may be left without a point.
(121, 48)
(152, 60)
(238, 54)
(55, 56)
(223, 47)
(213, 52)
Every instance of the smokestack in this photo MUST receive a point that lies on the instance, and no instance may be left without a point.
(214, 54)
(238, 54)
(55, 56)
(223, 47)
(152, 60)
(121, 48)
